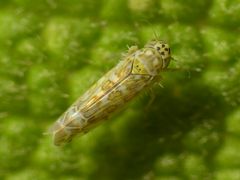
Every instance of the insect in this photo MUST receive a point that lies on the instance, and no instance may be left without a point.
(139, 69)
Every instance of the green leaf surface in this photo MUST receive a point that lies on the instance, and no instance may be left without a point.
(51, 52)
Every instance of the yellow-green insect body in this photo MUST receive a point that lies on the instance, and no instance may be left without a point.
(138, 70)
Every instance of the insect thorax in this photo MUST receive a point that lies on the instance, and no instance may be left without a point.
(147, 61)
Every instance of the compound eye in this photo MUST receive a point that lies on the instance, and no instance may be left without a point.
(167, 49)
(158, 48)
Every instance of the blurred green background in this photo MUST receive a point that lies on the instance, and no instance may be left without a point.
(52, 51)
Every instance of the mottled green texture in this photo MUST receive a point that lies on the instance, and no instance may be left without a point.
(53, 51)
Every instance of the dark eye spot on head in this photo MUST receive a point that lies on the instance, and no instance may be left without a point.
(163, 45)
(162, 53)
(166, 49)
(158, 48)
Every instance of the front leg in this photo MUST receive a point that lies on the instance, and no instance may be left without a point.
(131, 50)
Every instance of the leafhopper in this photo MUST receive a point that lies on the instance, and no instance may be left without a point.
(138, 70)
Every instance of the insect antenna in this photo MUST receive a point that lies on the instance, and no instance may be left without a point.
(174, 69)
(156, 35)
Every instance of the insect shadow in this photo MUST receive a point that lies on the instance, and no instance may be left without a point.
(163, 129)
